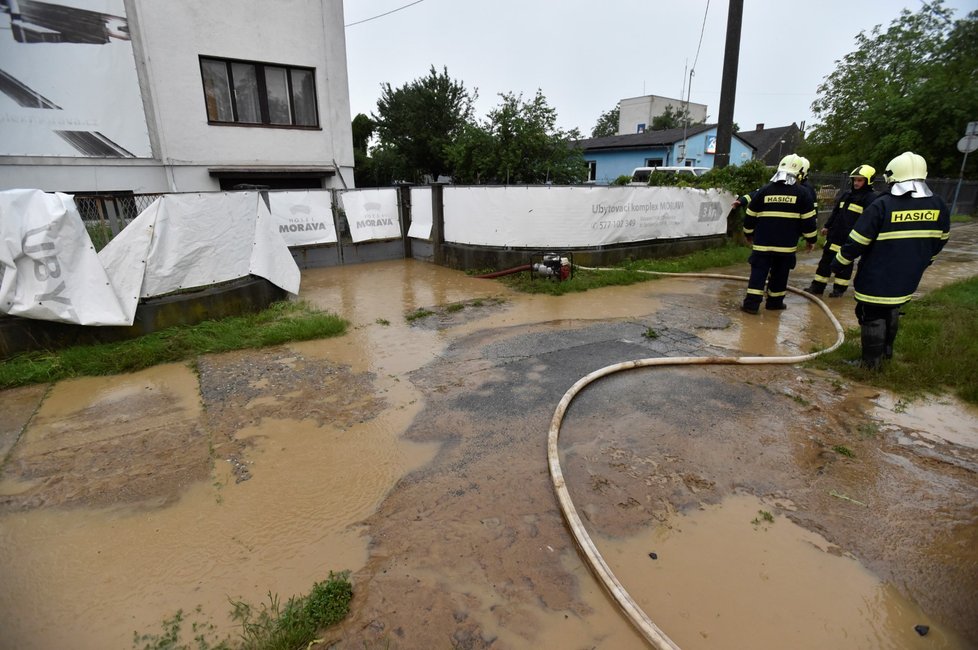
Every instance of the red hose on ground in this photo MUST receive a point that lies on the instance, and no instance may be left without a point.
(497, 274)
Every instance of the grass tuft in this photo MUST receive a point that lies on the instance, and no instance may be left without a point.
(281, 322)
(936, 348)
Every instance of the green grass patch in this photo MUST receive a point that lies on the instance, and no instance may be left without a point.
(630, 272)
(709, 258)
(271, 626)
(842, 450)
(281, 322)
(418, 313)
(936, 348)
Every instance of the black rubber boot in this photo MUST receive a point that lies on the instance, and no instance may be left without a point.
(775, 304)
(873, 337)
(816, 288)
(837, 291)
(892, 325)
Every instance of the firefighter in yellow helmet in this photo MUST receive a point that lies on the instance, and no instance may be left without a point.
(847, 209)
(897, 237)
(778, 215)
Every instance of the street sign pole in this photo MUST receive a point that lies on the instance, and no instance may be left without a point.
(966, 145)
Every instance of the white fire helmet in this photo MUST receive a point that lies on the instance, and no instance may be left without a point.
(789, 169)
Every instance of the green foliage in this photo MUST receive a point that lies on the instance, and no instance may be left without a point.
(910, 87)
(416, 123)
(99, 232)
(738, 179)
(624, 179)
(280, 323)
(363, 170)
(672, 118)
(519, 143)
(936, 348)
(607, 123)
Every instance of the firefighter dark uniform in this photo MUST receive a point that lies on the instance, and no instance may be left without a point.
(897, 238)
(778, 215)
(849, 206)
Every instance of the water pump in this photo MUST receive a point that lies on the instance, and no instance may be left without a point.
(554, 266)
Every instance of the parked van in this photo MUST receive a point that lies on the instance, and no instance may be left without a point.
(640, 175)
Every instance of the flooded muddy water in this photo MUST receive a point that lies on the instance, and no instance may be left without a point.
(412, 452)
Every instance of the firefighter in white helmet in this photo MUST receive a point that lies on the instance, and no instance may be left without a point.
(897, 238)
(778, 215)
(847, 209)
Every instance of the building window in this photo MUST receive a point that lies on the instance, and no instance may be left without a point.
(592, 170)
(640, 128)
(245, 92)
(654, 162)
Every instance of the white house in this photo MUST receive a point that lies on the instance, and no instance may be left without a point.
(119, 96)
(635, 114)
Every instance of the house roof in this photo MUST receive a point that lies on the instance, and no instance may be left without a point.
(643, 140)
(767, 142)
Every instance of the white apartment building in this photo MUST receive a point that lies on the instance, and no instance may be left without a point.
(635, 114)
(145, 96)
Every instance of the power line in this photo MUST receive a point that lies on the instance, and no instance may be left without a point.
(387, 13)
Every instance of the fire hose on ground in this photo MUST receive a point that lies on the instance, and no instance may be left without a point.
(646, 627)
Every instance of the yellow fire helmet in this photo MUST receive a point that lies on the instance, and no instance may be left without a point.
(908, 166)
(804, 167)
(866, 171)
(789, 169)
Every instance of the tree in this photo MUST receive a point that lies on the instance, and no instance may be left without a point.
(363, 129)
(416, 122)
(607, 123)
(519, 143)
(671, 118)
(910, 87)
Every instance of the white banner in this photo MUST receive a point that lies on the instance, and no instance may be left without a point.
(304, 217)
(548, 217)
(68, 84)
(420, 213)
(48, 267)
(371, 214)
(184, 241)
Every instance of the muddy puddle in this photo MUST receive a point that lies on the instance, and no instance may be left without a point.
(413, 454)
(734, 575)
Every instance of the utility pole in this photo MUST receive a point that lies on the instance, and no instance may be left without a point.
(728, 85)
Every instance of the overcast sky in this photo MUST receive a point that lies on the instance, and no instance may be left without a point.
(586, 55)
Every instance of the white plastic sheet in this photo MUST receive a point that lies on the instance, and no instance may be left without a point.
(546, 217)
(48, 267)
(195, 240)
(371, 214)
(421, 216)
(303, 218)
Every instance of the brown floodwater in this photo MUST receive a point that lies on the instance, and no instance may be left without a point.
(84, 563)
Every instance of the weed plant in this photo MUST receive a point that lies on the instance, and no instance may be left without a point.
(274, 626)
(281, 322)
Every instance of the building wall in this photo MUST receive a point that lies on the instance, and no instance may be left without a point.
(167, 39)
(610, 164)
(634, 111)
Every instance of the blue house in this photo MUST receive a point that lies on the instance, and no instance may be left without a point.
(617, 155)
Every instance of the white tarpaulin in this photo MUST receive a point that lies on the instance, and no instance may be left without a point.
(420, 213)
(48, 267)
(544, 217)
(184, 241)
(303, 218)
(371, 214)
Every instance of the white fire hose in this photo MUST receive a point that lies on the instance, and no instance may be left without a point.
(648, 629)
